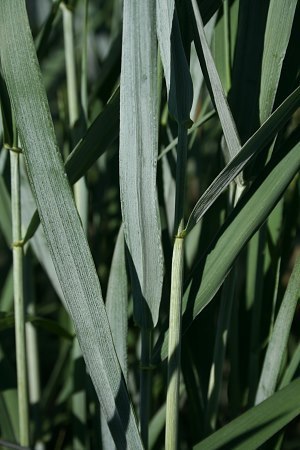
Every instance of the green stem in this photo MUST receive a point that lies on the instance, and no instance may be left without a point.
(80, 191)
(145, 385)
(32, 351)
(19, 297)
(83, 90)
(227, 45)
(80, 194)
(174, 345)
(70, 64)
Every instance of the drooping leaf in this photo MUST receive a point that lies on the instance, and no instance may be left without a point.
(63, 230)
(138, 158)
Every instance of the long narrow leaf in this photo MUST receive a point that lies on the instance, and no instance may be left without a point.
(60, 220)
(278, 30)
(219, 98)
(102, 132)
(256, 426)
(116, 301)
(279, 338)
(255, 144)
(138, 158)
(99, 136)
(248, 216)
(38, 242)
(116, 307)
(291, 368)
(164, 21)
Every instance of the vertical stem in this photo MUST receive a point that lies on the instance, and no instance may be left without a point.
(145, 385)
(227, 46)
(32, 353)
(83, 90)
(80, 191)
(70, 64)
(19, 297)
(80, 194)
(180, 179)
(174, 345)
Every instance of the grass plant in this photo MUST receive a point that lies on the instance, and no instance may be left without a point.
(153, 261)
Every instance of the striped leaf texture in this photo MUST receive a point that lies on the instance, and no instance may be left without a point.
(138, 158)
(65, 237)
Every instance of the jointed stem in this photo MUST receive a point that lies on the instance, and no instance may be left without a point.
(19, 299)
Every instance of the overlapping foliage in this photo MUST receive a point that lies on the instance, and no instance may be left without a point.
(227, 187)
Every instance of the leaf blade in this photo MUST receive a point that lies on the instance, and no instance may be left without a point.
(257, 425)
(138, 158)
(279, 338)
(254, 145)
(259, 202)
(213, 79)
(277, 35)
(61, 222)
